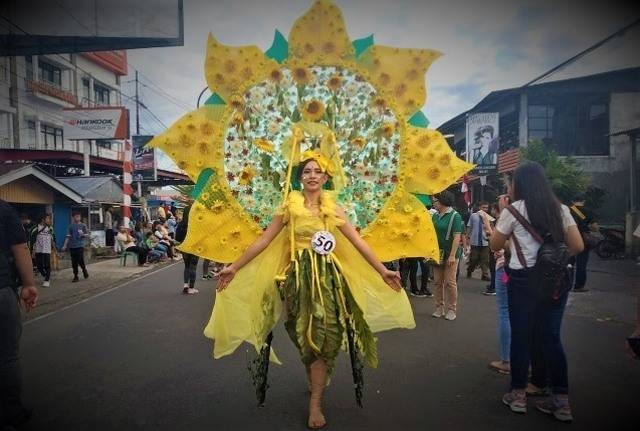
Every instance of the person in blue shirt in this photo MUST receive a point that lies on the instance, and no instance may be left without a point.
(75, 239)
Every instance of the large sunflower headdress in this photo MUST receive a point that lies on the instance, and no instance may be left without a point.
(356, 103)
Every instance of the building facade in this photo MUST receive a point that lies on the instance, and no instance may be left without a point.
(34, 90)
(592, 119)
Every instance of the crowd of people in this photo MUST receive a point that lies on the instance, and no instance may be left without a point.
(532, 249)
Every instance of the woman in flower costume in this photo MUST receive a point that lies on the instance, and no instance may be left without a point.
(357, 106)
(331, 298)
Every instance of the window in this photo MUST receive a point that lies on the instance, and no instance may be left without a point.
(101, 94)
(50, 74)
(540, 122)
(51, 137)
(4, 69)
(28, 60)
(86, 92)
(573, 124)
(31, 134)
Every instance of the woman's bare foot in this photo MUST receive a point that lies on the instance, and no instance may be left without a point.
(316, 418)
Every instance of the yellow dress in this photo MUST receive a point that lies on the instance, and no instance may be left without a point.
(323, 295)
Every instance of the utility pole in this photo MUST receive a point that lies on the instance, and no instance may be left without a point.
(137, 107)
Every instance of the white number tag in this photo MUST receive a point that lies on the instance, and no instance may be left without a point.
(323, 242)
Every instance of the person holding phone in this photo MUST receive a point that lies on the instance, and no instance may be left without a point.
(77, 234)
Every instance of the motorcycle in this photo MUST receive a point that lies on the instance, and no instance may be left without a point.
(612, 244)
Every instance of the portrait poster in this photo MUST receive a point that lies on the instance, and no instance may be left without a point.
(483, 141)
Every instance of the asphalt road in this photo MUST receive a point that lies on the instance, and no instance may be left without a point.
(135, 359)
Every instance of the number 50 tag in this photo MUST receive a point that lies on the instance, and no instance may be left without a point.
(323, 242)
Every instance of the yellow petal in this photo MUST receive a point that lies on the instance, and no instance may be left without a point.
(319, 37)
(194, 142)
(399, 74)
(227, 225)
(428, 163)
(231, 69)
(398, 233)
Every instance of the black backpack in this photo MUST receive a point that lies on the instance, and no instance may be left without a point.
(550, 274)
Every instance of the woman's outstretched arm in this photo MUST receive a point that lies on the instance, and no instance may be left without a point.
(392, 278)
(227, 274)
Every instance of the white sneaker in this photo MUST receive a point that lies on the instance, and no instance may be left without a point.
(438, 313)
(185, 286)
(451, 315)
(45, 284)
(192, 291)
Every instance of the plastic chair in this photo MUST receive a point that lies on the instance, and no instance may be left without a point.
(124, 253)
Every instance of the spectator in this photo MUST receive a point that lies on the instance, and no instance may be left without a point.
(477, 239)
(190, 260)
(108, 228)
(15, 270)
(448, 226)
(535, 321)
(171, 226)
(43, 240)
(75, 239)
(155, 252)
(584, 218)
(163, 238)
(128, 244)
(500, 278)
(138, 234)
(26, 223)
(412, 266)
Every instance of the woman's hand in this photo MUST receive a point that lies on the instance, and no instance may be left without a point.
(224, 277)
(451, 260)
(503, 202)
(392, 278)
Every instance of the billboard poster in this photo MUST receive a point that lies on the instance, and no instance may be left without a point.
(143, 159)
(96, 123)
(483, 141)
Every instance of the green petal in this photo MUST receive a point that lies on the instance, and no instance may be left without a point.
(279, 50)
(360, 45)
(419, 120)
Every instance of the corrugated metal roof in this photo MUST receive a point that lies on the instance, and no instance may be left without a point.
(84, 185)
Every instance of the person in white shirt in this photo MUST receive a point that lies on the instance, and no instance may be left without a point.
(128, 244)
(43, 247)
(535, 320)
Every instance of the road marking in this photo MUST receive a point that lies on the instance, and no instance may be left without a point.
(97, 295)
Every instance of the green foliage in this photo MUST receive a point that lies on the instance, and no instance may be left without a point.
(564, 174)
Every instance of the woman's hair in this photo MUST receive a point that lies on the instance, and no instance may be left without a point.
(297, 176)
(531, 186)
(446, 198)
(44, 216)
(148, 234)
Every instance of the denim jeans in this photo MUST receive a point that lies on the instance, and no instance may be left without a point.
(535, 335)
(10, 374)
(190, 268)
(504, 327)
(581, 261)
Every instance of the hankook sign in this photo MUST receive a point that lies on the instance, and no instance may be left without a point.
(96, 123)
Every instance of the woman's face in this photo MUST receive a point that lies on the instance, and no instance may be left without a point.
(312, 176)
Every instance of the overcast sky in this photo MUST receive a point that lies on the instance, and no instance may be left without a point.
(487, 45)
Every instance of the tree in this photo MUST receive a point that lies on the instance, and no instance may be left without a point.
(564, 174)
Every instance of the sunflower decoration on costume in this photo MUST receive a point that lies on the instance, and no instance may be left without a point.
(317, 89)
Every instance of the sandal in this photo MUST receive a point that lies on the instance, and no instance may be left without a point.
(500, 367)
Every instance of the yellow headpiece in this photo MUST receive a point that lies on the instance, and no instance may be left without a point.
(325, 163)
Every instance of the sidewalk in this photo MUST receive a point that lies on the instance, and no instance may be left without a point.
(103, 275)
